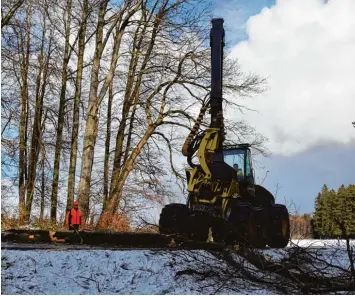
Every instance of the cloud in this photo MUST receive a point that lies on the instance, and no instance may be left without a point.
(235, 14)
(306, 49)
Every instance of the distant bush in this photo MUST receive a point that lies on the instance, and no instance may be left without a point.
(8, 222)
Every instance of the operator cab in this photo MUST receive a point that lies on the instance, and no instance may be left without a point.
(239, 158)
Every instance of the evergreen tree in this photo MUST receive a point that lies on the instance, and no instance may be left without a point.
(320, 211)
(350, 210)
(334, 214)
(341, 214)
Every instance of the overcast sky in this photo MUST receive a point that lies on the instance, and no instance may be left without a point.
(306, 50)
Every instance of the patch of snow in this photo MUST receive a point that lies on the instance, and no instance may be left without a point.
(325, 243)
(331, 251)
(108, 272)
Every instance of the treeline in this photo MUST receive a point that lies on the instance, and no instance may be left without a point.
(334, 214)
(333, 217)
(96, 99)
(301, 226)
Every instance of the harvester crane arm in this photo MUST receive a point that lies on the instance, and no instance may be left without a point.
(217, 44)
(206, 175)
(214, 103)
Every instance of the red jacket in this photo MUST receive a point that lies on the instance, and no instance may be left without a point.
(73, 217)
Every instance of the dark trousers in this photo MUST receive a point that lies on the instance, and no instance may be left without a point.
(75, 237)
(74, 227)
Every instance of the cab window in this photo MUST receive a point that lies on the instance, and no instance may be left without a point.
(240, 160)
(235, 159)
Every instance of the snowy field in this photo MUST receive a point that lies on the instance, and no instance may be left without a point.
(126, 272)
(103, 272)
(318, 243)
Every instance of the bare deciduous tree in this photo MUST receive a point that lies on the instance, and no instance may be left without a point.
(25, 47)
(118, 22)
(13, 7)
(77, 99)
(37, 129)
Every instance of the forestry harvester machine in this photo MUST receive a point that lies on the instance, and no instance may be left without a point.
(223, 197)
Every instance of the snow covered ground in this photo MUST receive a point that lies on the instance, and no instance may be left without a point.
(317, 243)
(118, 272)
(103, 272)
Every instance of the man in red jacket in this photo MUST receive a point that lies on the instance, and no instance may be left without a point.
(73, 217)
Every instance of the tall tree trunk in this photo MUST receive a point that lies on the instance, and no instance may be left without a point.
(108, 213)
(107, 143)
(115, 196)
(131, 95)
(77, 97)
(112, 204)
(130, 130)
(91, 122)
(130, 88)
(95, 99)
(23, 130)
(37, 122)
(58, 145)
(136, 53)
(43, 187)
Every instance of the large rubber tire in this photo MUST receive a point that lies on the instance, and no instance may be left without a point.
(218, 234)
(238, 218)
(173, 219)
(263, 197)
(256, 237)
(198, 227)
(278, 234)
